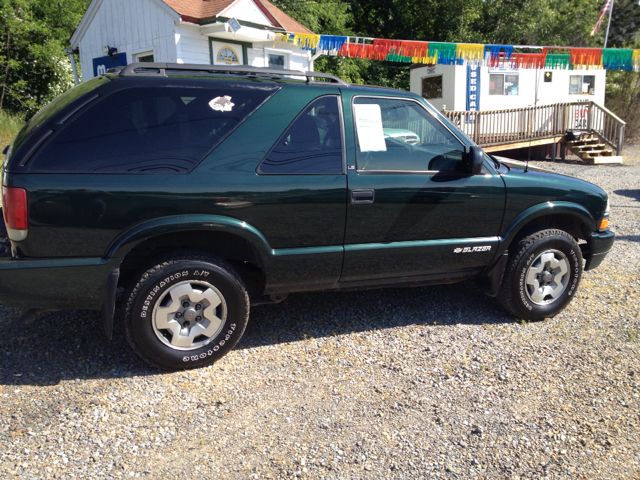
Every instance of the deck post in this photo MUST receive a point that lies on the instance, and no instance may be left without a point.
(589, 116)
(620, 138)
(554, 148)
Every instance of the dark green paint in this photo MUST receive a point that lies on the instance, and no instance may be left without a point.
(304, 231)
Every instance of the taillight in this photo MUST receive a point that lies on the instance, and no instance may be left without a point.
(14, 207)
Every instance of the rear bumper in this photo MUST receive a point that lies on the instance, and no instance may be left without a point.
(56, 284)
(599, 244)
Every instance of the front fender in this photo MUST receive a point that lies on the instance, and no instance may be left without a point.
(131, 237)
(541, 210)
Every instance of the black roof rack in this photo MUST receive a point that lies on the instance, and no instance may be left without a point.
(160, 69)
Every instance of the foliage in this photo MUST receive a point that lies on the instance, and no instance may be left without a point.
(625, 24)
(33, 66)
(623, 99)
(10, 125)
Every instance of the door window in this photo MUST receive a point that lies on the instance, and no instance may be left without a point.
(400, 135)
(311, 145)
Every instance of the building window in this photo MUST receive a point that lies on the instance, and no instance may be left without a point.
(582, 84)
(277, 60)
(144, 57)
(432, 87)
(503, 83)
(227, 55)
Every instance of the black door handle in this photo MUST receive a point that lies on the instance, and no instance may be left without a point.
(363, 196)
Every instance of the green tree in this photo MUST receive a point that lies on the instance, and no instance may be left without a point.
(33, 66)
(625, 24)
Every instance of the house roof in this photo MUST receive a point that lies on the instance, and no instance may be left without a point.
(194, 10)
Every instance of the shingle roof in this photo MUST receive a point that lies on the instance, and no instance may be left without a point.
(203, 9)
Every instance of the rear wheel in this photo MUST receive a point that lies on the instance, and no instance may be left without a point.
(186, 312)
(542, 275)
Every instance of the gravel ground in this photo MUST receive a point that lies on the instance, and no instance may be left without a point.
(399, 383)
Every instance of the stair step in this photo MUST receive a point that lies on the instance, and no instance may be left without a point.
(603, 160)
(579, 143)
(595, 146)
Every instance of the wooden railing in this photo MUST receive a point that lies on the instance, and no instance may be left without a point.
(518, 125)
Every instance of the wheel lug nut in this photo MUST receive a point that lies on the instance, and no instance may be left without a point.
(186, 324)
(198, 319)
(185, 304)
(198, 307)
(179, 315)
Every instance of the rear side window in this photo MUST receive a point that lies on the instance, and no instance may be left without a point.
(149, 130)
(311, 145)
(55, 106)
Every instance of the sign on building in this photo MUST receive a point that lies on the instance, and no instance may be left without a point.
(102, 64)
(473, 91)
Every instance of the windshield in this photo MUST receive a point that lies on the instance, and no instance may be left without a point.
(54, 107)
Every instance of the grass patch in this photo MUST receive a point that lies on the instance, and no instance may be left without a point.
(10, 125)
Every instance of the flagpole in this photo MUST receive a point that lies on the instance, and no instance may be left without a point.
(606, 37)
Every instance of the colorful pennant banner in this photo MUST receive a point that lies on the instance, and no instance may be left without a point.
(433, 53)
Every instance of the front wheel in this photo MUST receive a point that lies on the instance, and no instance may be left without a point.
(542, 275)
(186, 312)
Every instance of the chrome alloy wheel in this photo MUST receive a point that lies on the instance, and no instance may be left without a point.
(189, 315)
(547, 277)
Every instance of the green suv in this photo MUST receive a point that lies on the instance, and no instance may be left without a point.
(186, 193)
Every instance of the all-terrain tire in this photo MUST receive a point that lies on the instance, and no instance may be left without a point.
(542, 275)
(186, 311)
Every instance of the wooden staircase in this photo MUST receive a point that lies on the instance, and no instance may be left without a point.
(592, 150)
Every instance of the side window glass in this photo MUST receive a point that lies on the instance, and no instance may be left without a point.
(149, 130)
(400, 135)
(311, 145)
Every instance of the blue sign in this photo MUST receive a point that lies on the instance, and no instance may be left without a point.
(102, 64)
(473, 90)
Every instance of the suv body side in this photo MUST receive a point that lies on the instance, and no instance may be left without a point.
(303, 232)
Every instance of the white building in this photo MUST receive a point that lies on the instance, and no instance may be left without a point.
(120, 32)
(462, 88)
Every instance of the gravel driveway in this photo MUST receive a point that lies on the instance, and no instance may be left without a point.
(398, 383)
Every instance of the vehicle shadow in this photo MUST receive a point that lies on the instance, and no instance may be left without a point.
(628, 238)
(69, 345)
(635, 194)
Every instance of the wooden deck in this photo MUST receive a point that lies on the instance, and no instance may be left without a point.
(496, 130)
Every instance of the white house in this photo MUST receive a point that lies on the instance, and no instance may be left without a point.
(462, 88)
(120, 32)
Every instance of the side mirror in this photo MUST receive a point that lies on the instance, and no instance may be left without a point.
(6, 149)
(474, 160)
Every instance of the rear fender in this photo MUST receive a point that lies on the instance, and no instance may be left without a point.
(127, 240)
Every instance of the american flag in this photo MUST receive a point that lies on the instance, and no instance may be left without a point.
(605, 9)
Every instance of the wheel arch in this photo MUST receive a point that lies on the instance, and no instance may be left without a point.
(570, 217)
(228, 238)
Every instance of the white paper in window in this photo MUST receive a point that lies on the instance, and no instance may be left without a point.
(369, 126)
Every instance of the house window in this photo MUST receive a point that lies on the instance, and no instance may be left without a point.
(277, 60)
(144, 57)
(504, 83)
(227, 55)
(432, 87)
(582, 84)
